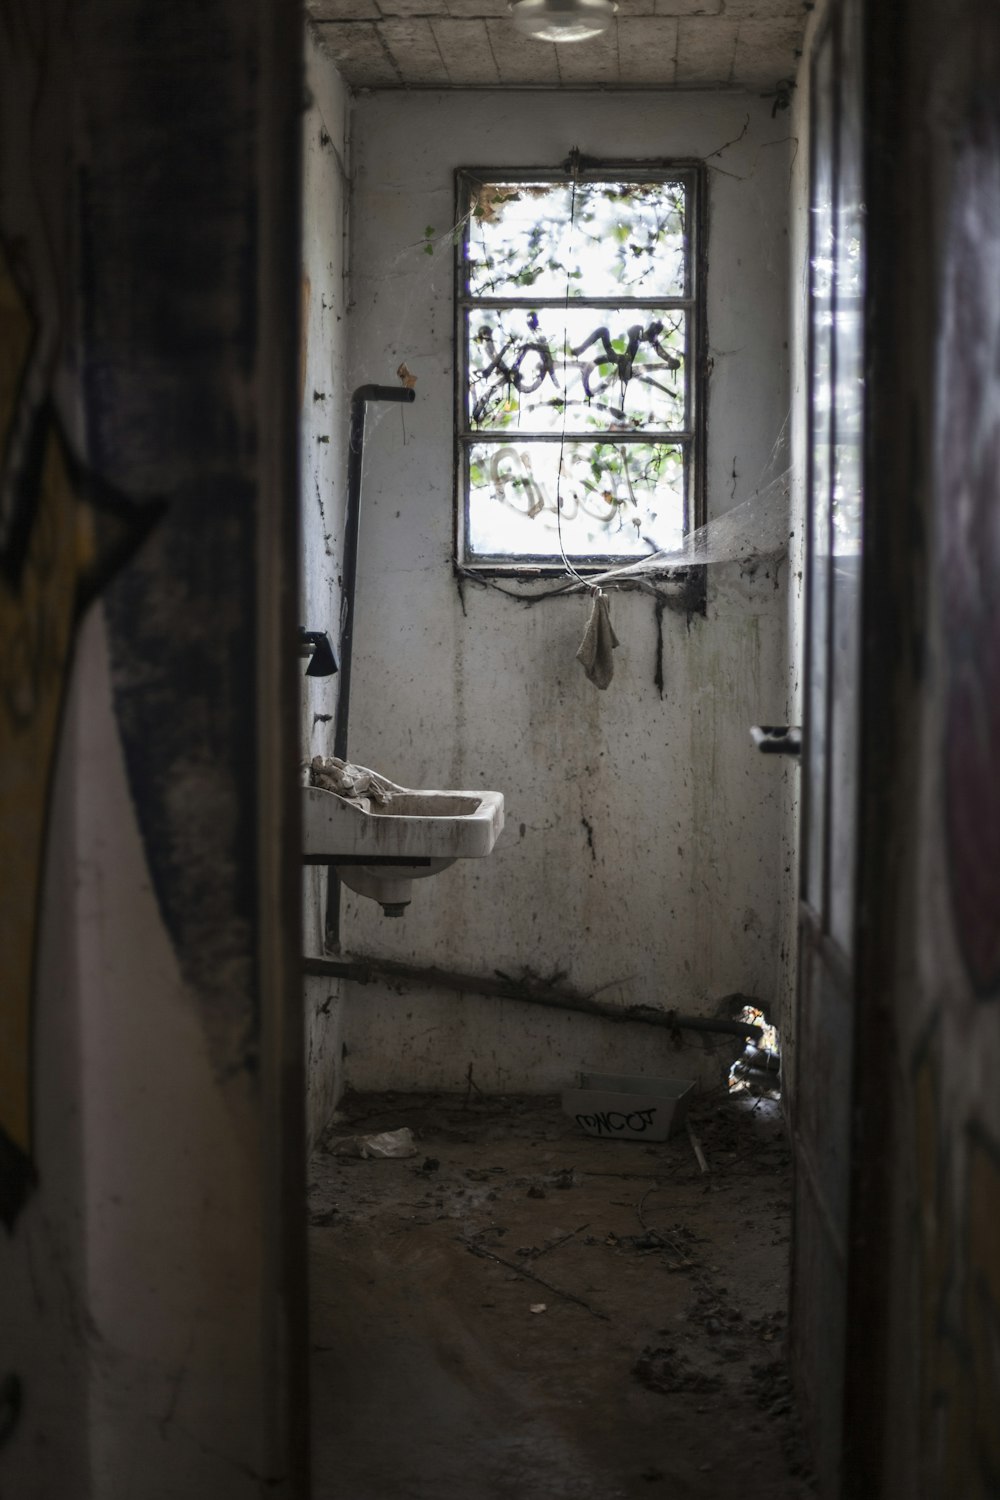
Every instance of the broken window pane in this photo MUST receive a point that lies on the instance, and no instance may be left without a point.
(594, 239)
(578, 407)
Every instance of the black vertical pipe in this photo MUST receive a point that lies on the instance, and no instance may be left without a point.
(355, 456)
(352, 526)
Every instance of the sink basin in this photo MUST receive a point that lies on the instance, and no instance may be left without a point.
(380, 843)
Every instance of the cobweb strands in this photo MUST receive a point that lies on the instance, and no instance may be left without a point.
(755, 531)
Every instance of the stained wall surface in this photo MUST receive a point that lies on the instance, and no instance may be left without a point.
(152, 1304)
(323, 478)
(646, 843)
(928, 1217)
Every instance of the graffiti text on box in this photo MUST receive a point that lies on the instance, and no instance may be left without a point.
(614, 1121)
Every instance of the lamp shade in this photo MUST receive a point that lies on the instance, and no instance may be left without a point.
(562, 20)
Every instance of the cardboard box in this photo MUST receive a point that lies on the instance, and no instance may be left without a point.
(628, 1109)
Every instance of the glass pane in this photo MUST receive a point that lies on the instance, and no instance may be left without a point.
(848, 416)
(576, 369)
(595, 239)
(612, 499)
(821, 402)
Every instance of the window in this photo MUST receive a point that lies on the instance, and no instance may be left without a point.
(579, 331)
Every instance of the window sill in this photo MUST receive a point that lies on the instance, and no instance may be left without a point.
(682, 588)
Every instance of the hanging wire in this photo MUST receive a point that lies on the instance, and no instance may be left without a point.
(574, 167)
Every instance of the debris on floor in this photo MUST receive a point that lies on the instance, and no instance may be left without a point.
(759, 1068)
(386, 1143)
(551, 1315)
(667, 1370)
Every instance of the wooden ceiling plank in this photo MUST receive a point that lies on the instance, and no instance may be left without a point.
(414, 50)
(593, 61)
(767, 10)
(394, 9)
(359, 54)
(343, 10)
(476, 9)
(647, 50)
(690, 7)
(766, 52)
(705, 49)
(465, 50)
(472, 43)
(522, 59)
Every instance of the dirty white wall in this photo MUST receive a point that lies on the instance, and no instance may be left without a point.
(323, 469)
(643, 856)
(135, 1266)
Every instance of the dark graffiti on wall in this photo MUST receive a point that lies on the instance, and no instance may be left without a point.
(63, 532)
(128, 185)
(37, 564)
(171, 389)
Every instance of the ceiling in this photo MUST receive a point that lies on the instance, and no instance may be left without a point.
(394, 44)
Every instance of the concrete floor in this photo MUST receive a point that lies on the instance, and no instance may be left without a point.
(651, 1364)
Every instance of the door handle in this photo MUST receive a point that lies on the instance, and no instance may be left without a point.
(777, 739)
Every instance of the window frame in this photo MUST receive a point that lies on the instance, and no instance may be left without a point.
(693, 174)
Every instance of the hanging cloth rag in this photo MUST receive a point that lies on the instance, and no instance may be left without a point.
(599, 640)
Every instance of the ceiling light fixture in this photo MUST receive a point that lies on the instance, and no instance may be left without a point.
(562, 20)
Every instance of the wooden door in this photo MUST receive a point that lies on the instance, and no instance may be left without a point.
(825, 1030)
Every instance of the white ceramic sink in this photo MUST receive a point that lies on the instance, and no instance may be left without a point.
(380, 845)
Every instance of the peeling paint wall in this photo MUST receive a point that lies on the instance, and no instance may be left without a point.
(150, 1264)
(643, 852)
(323, 471)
